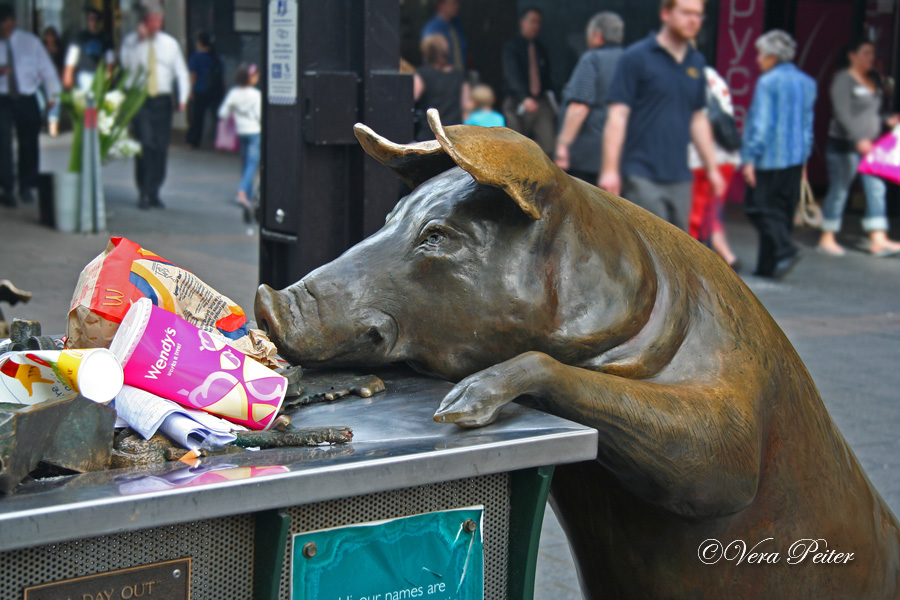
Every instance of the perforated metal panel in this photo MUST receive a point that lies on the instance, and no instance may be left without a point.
(492, 491)
(221, 549)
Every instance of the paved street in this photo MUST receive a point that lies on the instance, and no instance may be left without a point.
(843, 315)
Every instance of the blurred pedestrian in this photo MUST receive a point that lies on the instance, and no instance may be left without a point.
(580, 140)
(656, 106)
(778, 137)
(705, 220)
(158, 56)
(244, 103)
(447, 23)
(54, 45)
(24, 67)
(529, 107)
(91, 48)
(438, 84)
(207, 86)
(857, 100)
(483, 113)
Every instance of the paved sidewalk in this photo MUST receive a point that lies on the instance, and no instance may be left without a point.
(843, 315)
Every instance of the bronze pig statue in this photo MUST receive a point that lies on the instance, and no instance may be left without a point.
(720, 473)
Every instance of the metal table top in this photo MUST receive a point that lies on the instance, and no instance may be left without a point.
(396, 445)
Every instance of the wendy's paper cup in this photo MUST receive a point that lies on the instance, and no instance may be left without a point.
(33, 376)
(165, 355)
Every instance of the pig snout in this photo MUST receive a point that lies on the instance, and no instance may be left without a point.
(290, 319)
(313, 331)
(274, 316)
(270, 309)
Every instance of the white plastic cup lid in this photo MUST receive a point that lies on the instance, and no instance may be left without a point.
(100, 376)
(131, 329)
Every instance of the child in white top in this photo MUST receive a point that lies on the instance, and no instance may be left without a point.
(244, 103)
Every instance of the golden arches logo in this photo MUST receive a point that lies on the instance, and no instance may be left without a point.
(114, 297)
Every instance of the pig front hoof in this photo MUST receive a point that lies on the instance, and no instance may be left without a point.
(475, 401)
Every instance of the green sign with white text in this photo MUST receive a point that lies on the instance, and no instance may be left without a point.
(434, 556)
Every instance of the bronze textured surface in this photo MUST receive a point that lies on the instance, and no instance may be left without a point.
(521, 283)
(74, 434)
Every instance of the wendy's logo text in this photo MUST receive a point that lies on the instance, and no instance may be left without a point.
(712, 551)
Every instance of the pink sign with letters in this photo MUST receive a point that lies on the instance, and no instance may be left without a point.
(740, 24)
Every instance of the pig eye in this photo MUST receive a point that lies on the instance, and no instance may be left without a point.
(433, 237)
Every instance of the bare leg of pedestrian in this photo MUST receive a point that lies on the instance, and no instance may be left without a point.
(719, 242)
(881, 245)
(828, 244)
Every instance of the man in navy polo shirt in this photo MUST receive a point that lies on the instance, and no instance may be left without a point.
(656, 107)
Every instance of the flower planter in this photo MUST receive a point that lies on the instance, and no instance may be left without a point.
(65, 201)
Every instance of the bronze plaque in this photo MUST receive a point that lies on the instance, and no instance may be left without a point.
(169, 580)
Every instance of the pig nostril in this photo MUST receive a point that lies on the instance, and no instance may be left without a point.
(375, 336)
(264, 325)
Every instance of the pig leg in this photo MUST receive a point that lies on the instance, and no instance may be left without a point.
(692, 449)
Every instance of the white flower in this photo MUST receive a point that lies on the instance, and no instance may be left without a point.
(105, 122)
(78, 98)
(124, 147)
(113, 100)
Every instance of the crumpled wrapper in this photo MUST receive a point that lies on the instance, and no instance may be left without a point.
(125, 272)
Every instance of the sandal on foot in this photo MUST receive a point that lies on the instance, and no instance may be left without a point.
(836, 251)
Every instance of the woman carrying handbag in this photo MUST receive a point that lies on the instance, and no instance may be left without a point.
(244, 104)
(857, 100)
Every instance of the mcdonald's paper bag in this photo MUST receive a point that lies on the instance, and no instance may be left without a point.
(125, 272)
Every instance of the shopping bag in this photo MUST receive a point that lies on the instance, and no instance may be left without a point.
(226, 135)
(808, 213)
(884, 159)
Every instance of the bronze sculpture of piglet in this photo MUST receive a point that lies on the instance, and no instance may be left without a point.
(720, 474)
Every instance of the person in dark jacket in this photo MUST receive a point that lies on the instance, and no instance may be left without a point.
(530, 107)
(584, 99)
(92, 47)
(438, 84)
(447, 23)
(207, 87)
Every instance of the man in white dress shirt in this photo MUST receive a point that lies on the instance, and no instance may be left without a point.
(158, 56)
(24, 65)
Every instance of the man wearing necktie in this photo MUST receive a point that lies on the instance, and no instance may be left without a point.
(157, 56)
(24, 65)
(529, 107)
(447, 23)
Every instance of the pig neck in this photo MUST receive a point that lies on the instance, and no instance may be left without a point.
(653, 348)
(650, 335)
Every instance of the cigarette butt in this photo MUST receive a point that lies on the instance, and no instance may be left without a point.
(190, 457)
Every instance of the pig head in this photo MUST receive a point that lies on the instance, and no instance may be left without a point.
(503, 273)
(475, 266)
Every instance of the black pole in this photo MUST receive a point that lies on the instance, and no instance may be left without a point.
(320, 194)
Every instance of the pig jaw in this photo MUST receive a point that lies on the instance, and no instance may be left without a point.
(293, 320)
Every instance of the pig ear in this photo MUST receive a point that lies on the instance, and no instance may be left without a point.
(413, 163)
(501, 158)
